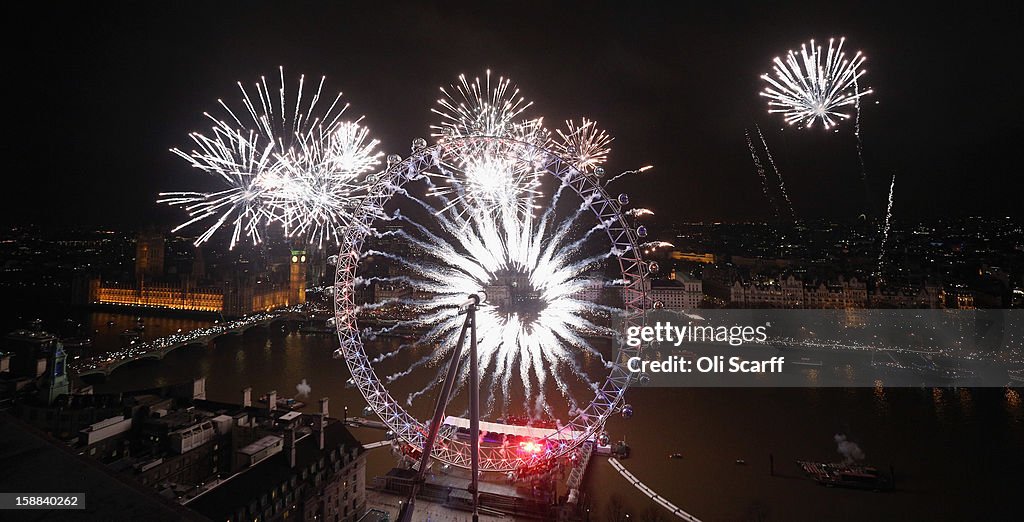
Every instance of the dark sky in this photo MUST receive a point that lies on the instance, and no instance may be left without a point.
(98, 93)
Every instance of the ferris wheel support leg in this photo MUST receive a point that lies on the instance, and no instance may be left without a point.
(405, 515)
(474, 411)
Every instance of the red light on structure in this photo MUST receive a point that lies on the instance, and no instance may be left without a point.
(530, 446)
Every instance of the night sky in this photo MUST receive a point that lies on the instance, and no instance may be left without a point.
(97, 96)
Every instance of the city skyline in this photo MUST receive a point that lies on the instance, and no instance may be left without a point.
(351, 262)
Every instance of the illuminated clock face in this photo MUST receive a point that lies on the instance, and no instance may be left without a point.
(303, 259)
(295, 259)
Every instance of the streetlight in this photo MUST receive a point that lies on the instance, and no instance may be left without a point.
(346, 414)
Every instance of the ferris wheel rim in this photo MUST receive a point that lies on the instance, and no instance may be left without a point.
(588, 421)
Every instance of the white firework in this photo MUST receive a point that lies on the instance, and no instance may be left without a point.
(814, 85)
(586, 144)
(534, 321)
(237, 160)
(480, 109)
(291, 162)
(490, 179)
(314, 189)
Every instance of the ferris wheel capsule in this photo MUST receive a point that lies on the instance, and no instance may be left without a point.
(627, 411)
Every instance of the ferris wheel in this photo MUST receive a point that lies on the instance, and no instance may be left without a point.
(512, 219)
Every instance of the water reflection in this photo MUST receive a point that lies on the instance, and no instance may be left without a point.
(966, 402)
(881, 404)
(939, 403)
(1012, 398)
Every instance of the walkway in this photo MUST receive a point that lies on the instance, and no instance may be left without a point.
(672, 508)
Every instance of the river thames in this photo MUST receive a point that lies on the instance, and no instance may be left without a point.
(957, 454)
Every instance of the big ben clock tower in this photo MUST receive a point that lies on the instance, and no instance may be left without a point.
(297, 281)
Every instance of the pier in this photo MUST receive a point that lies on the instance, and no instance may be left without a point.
(660, 500)
(359, 422)
(377, 444)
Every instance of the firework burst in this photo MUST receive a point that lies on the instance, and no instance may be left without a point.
(532, 269)
(293, 162)
(584, 143)
(488, 179)
(317, 187)
(814, 85)
(480, 108)
(236, 160)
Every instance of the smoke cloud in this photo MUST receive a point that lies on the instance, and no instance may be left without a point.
(303, 388)
(849, 450)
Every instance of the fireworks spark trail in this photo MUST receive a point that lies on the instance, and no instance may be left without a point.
(532, 131)
(296, 164)
(814, 86)
(860, 142)
(778, 175)
(586, 144)
(657, 244)
(638, 212)
(629, 173)
(760, 172)
(885, 232)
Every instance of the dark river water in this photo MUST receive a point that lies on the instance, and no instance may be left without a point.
(958, 454)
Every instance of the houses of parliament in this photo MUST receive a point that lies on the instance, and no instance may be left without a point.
(231, 289)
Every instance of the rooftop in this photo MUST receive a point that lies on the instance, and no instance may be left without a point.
(31, 462)
(239, 490)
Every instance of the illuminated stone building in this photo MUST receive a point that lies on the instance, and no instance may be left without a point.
(695, 257)
(149, 256)
(236, 292)
(674, 293)
(791, 292)
(925, 296)
(297, 276)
